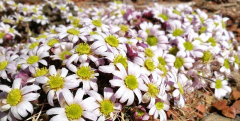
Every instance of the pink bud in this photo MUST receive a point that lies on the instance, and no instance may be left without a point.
(7, 37)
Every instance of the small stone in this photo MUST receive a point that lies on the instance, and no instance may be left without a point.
(236, 105)
(215, 117)
(201, 108)
(220, 104)
(229, 112)
(235, 94)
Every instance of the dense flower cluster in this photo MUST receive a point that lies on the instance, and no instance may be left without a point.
(103, 59)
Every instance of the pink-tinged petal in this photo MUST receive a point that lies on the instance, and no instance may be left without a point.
(139, 95)
(44, 62)
(152, 110)
(89, 115)
(125, 96)
(156, 115)
(30, 96)
(227, 88)
(142, 87)
(81, 119)
(86, 86)
(32, 69)
(5, 88)
(152, 102)
(93, 85)
(64, 72)
(188, 65)
(100, 50)
(21, 109)
(120, 92)
(176, 93)
(188, 60)
(131, 98)
(87, 102)
(163, 116)
(62, 35)
(166, 107)
(107, 68)
(4, 74)
(28, 106)
(50, 96)
(122, 69)
(119, 74)
(56, 110)
(71, 59)
(162, 39)
(30, 88)
(79, 95)
(75, 39)
(72, 67)
(145, 117)
(97, 96)
(97, 44)
(181, 54)
(109, 94)
(52, 70)
(118, 106)
(5, 107)
(68, 96)
(42, 79)
(15, 112)
(17, 83)
(116, 82)
(59, 118)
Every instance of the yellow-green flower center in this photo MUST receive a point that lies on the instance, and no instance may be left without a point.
(159, 105)
(52, 42)
(32, 59)
(14, 97)
(97, 23)
(153, 90)
(177, 32)
(207, 55)
(106, 107)
(226, 64)
(149, 52)
(73, 31)
(236, 60)
(73, 111)
(131, 82)
(140, 112)
(41, 72)
(63, 8)
(11, 30)
(223, 25)
(201, 19)
(149, 64)
(177, 12)
(40, 17)
(3, 65)
(180, 88)
(152, 40)
(161, 61)
(42, 36)
(120, 59)
(33, 45)
(85, 72)
(212, 41)
(65, 54)
(202, 29)
(173, 50)
(188, 46)
(163, 16)
(147, 30)
(179, 62)
(93, 32)
(76, 22)
(124, 28)
(163, 69)
(2, 34)
(56, 82)
(25, 9)
(218, 84)
(83, 48)
(112, 40)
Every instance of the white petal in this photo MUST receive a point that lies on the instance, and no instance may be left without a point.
(90, 115)
(116, 82)
(125, 96)
(15, 112)
(56, 110)
(30, 96)
(68, 96)
(59, 118)
(50, 96)
(30, 88)
(5, 88)
(17, 83)
(108, 93)
(79, 95)
(131, 98)
(152, 110)
(120, 92)
(21, 109)
(64, 72)
(107, 68)
(52, 70)
(139, 95)
(97, 96)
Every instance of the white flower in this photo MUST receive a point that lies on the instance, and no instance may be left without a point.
(96, 22)
(129, 82)
(107, 106)
(159, 110)
(85, 74)
(56, 82)
(220, 85)
(76, 108)
(73, 34)
(34, 56)
(17, 99)
(40, 19)
(63, 52)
